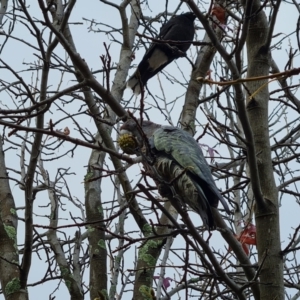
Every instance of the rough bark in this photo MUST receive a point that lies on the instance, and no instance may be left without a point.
(266, 215)
(148, 255)
(96, 236)
(9, 255)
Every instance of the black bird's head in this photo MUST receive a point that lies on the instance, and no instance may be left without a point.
(189, 15)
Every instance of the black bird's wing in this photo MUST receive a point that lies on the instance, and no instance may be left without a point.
(166, 28)
(178, 28)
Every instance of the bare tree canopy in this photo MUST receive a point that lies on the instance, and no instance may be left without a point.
(82, 219)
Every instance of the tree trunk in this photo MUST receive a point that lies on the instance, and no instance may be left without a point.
(266, 216)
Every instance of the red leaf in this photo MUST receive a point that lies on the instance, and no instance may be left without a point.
(246, 249)
(166, 281)
(247, 237)
(219, 13)
(211, 151)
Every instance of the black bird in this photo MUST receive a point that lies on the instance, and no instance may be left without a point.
(178, 160)
(178, 28)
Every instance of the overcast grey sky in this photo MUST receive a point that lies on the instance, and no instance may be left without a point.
(90, 46)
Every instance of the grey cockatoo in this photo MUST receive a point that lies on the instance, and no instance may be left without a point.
(159, 55)
(177, 159)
